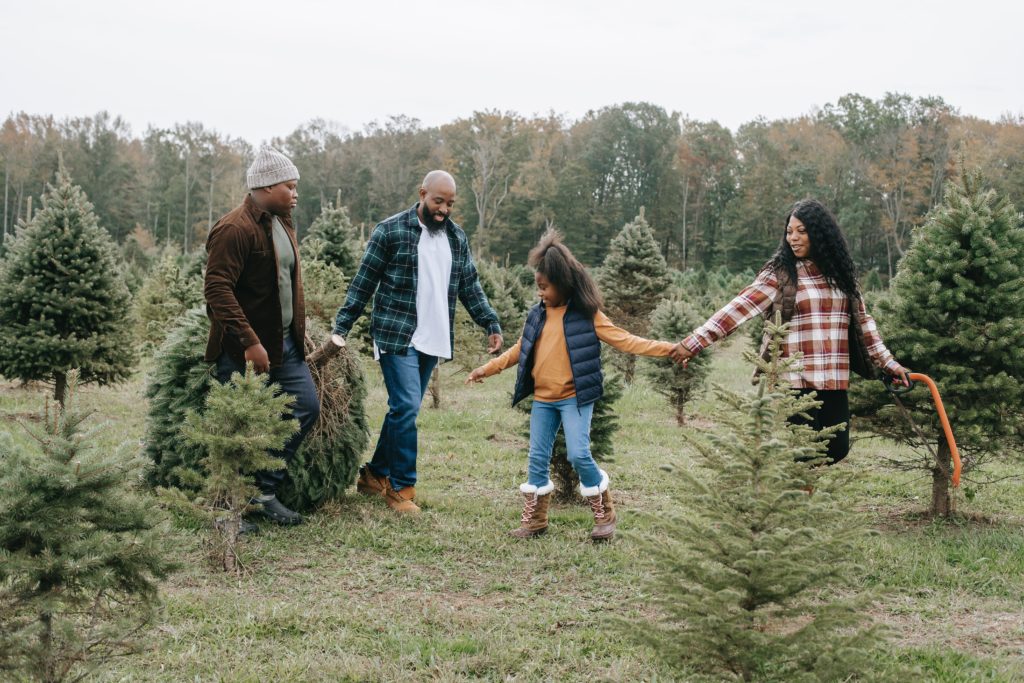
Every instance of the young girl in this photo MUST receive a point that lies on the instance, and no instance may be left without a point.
(559, 359)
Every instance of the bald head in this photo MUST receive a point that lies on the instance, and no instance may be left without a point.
(438, 180)
(437, 197)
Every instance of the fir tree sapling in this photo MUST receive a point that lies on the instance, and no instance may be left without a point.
(240, 423)
(178, 382)
(332, 239)
(323, 286)
(674, 319)
(746, 578)
(80, 553)
(633, 278)
(166, 293)
(63, 301)
(955, 312)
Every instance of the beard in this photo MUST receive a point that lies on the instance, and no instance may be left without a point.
(433, 226)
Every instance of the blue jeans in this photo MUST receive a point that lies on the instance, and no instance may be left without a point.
(406, 377)
(545, 418)
(293, 377)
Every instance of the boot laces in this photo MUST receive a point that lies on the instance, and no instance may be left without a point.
(529, 507)
(597, 505)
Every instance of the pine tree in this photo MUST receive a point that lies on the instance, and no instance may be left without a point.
(873, 281)
(332, 239)
(745, 578)
(603, 426)
(329, 459)
(240, 422)
(674, 319)
(63, 301)
(166, 293)
(955, 312)
(138, 253)
(178, 381)
(633, 279)
(80, 555)
(509, 298)
(323, 467)
(324, 287)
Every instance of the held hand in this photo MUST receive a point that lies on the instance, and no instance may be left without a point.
(901, 374)
(681, 354)
(258, 355)
(494, 343)
(476, 376)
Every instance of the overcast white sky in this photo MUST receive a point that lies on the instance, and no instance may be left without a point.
(258, 69)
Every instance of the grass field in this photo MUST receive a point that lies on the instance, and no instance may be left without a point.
(360, 594)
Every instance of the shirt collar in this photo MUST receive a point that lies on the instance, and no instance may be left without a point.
(808, 265)
(263, 217)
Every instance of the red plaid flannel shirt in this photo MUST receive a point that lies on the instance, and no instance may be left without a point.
(819, 327)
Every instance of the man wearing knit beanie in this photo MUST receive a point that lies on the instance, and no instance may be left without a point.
(254, 299)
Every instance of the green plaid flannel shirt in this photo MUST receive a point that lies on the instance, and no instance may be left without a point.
(389, 269)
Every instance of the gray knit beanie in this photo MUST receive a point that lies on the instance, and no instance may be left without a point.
(269, 168)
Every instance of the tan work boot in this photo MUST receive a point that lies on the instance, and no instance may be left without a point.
(600, 499)
(369, 484)
(402, 501)
(535, 510)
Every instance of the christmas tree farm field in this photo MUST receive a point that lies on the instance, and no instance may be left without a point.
(358, 594)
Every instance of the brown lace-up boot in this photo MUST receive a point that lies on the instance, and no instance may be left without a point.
(402, 500)
(600, 499)
(369, 484)
(535, 510)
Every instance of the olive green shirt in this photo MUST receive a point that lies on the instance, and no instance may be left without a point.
(285, 266)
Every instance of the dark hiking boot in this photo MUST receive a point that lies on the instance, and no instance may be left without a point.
(275, 511)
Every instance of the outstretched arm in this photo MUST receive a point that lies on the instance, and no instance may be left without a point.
(626, 342)
(496, 365)
(751, 302)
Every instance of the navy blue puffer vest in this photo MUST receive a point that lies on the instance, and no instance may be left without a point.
(584, 354)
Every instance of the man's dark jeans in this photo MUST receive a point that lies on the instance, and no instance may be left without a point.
(406, 376)
(293, 377)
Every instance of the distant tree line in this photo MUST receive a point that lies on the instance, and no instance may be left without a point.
(713, 197)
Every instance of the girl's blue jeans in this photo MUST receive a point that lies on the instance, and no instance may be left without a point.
(545, 418)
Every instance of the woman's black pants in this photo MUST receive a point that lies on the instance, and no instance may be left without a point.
(834, 409)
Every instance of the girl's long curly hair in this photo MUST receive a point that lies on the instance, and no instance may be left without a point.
(553, 260)
(829, 250)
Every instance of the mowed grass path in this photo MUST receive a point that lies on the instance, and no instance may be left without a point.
(360, 594)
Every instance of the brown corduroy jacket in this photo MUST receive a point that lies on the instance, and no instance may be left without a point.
(241, 290)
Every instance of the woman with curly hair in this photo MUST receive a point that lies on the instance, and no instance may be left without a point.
(812, 280)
